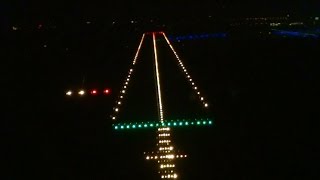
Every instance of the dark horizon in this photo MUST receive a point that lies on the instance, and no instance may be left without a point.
(167, 9)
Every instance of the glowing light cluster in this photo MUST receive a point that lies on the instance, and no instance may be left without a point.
(164, 141)
(164, 129)
(167, 166)
(166, 148)
(126, 83)
(83, 92)
(187, 75)
(169, 176)
(69, 93)
(164, 125)
(164, 135)
(165, 154)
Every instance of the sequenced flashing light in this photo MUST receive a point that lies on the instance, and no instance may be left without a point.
(164, 124)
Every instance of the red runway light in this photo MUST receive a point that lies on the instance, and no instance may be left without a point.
(94, 92)
(107, 91)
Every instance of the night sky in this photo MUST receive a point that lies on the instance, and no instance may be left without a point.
(158, 8)
(262, 91)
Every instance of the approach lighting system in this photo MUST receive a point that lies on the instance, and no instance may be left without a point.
(91, 92)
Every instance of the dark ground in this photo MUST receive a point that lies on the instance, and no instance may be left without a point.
(262, 94)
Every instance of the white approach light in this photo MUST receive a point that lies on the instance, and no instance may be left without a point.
(81, 92)
(69, 93)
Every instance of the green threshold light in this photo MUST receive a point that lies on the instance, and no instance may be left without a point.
(167, 123)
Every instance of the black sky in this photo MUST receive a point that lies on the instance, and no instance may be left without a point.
(166, 8)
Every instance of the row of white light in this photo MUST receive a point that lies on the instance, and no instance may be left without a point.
(167, 166)
(126, 83)
(157, 77)
(164, 135)
(164, 129)
(188, 77)
(164, 141)
(168, 156)
(166, 148)
(174, 176)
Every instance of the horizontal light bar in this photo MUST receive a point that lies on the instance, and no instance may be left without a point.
(93, 92)
(166, 123)
(167, 156)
